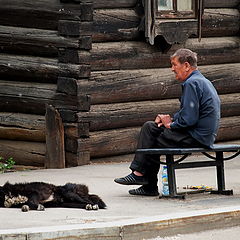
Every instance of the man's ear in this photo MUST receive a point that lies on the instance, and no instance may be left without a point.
(187, 66)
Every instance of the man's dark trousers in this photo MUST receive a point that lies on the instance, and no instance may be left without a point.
(152, 136)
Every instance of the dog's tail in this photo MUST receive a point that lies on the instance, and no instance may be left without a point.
(97, 200)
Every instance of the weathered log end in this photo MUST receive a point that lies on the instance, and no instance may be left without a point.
(55, 157)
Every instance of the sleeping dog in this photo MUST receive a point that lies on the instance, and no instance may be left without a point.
(39, 195)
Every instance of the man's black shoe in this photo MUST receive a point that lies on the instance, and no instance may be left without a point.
(132, 179)
(142, 192)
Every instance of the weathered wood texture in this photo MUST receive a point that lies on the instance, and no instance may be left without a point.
(150, 84)
(217, 22)
(124, 140)
(110, 116)
(43, 14)
(32, 97)
(24, 152)
(110, 87)
(122, 24)
(24, 127)
(56, 4)
(34, 41)
(137, 55)
(109, 25)
(132, 3)
(27, 127)
(39, 69)
(55, 151)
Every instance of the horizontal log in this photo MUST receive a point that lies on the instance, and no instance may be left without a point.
(114, 4)
(23, 152)
(150, 84)
(34, 41)
(135, 55)
(109, 25)
(32, 97)
(122, 24)
(39, 69)
(229, 129)
(217, 22)
(115, 25)
(124, 140)
(132, 3)
(221, 3)
(110, 116)
(43, 14)
(23, 127)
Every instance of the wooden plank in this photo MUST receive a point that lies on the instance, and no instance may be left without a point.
(109, 25)
(150, 84)
(38, 14)
(135, 55)
(229, 129)
(114, 4)
(23, 127)
(115, 25)
(217, 22)
(221, 3)
(111, 116)
(76, 130)
(123, 24)
(32, 97)
(23, 152)
(132, 3)
(55, 150)
(39, 69)
(34, 41)
(77, 159)
(124, 140)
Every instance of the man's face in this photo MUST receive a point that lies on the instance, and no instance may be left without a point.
(181, 70)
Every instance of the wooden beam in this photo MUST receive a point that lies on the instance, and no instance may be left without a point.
(32, 97)
(150, 84)
(55, 151)
(24, 152)
(124, 140)
(23, 127)
(41, 14)
(135, 55)
(39, 69)
(111, 116)
(108, 25)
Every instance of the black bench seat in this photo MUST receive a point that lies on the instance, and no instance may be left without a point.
(217, 161)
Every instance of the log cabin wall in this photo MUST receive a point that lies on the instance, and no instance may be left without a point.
(44, 54)
(44, 59)
(131, 80)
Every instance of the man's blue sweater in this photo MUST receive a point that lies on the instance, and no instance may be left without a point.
(199, 112)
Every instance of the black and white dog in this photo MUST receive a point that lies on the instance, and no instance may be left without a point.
(40, 195)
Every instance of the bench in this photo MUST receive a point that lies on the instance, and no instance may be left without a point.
(217, 161)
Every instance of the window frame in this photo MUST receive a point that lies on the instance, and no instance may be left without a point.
(175, 14)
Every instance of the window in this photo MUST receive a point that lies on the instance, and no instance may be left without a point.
(176, 9)
(173, 20)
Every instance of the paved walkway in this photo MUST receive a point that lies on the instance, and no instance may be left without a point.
(127, 217)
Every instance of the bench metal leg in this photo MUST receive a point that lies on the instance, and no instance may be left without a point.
(220, 176)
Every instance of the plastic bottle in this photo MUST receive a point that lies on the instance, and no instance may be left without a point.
(165, 189)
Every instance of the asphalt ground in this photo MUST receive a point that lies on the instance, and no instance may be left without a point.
(126, 216)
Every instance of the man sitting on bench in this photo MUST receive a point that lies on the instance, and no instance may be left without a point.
(194, 125)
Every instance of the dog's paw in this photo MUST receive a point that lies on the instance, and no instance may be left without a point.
(95, 207)
(89, 207)
(40, 207)
(25, 208)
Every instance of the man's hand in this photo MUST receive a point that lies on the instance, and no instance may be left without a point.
(163, 119)
(158, 120)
